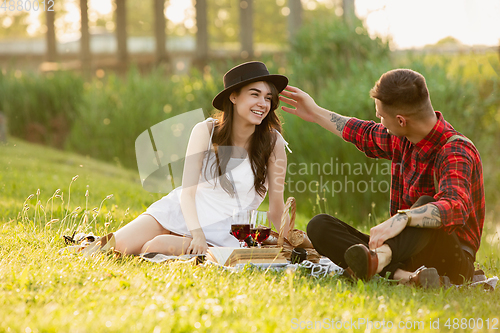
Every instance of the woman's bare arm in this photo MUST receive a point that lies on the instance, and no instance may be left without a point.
(198, 143)
(276, 182)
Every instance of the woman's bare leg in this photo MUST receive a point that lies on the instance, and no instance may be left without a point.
(131, 238)
(167, 244)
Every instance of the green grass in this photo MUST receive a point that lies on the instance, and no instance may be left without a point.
(26, 169)
(42, 291)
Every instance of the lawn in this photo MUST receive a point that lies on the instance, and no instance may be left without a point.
(43, 291)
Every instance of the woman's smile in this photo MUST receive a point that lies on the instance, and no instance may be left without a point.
(258, 113)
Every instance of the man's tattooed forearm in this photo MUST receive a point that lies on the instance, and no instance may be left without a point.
(435, 212)
(430, 222)
(340, 121)
(397, 218)
(420, 210)
(430, 219)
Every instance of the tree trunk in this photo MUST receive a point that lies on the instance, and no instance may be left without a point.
(85, 55)
(159, 28)
(51, 35)
(295, 17)
(202, 33)
(349, 12)
(121, 33)
(246, 28)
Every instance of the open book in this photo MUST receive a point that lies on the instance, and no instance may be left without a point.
(231, 256)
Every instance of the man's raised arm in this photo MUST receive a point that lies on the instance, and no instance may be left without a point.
(306, 108)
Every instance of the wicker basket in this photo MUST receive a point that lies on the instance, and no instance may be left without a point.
(295, 238)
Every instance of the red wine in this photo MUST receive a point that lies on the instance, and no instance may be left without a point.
(260, 234)
(240, 231)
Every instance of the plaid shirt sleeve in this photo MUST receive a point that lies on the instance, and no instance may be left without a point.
(369, 137)
(458, 191)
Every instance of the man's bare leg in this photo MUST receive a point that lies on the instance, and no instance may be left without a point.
(384, 255)
(402, 276)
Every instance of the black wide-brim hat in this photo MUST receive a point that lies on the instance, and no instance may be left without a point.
(244, 74)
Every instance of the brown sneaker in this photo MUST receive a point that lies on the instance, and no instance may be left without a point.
(428, 278)
(363, 262)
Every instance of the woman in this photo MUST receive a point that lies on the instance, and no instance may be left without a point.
(219, 175)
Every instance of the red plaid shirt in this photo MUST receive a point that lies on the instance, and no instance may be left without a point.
(457, 166)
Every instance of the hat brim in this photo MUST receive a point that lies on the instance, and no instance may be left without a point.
(279, 81)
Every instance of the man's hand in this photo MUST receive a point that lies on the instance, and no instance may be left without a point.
(307, 109)
(305, 106)
(386, 230)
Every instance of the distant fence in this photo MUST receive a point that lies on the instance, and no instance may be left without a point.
(452, 49)
(99, 44)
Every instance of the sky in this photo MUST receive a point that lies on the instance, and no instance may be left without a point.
(409, 23)
(417, 23)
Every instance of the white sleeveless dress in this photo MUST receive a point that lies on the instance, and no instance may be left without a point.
(214, 205)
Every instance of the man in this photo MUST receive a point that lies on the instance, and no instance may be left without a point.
(435, 170)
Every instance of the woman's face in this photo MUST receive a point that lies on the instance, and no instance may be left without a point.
(252, 103)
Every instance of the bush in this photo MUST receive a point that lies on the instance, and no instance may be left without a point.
(41, 108)
(327, 49)
(116, 111)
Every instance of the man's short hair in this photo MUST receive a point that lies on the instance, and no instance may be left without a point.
(403, 91)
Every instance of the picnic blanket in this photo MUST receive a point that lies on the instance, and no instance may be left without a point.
(90, 244)
(324, 268)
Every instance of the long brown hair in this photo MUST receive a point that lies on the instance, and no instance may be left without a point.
(261, 145)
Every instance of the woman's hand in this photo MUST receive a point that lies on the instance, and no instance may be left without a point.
(199, 243)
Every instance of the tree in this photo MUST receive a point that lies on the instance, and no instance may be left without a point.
(201, 33)
(50, 17)
(246, 28)
(160, 26)
(448, 41)
(121, 32)
(85, 40)
(13, 24)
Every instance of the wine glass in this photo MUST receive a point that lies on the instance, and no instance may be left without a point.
(240, 228)
(260, 232)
